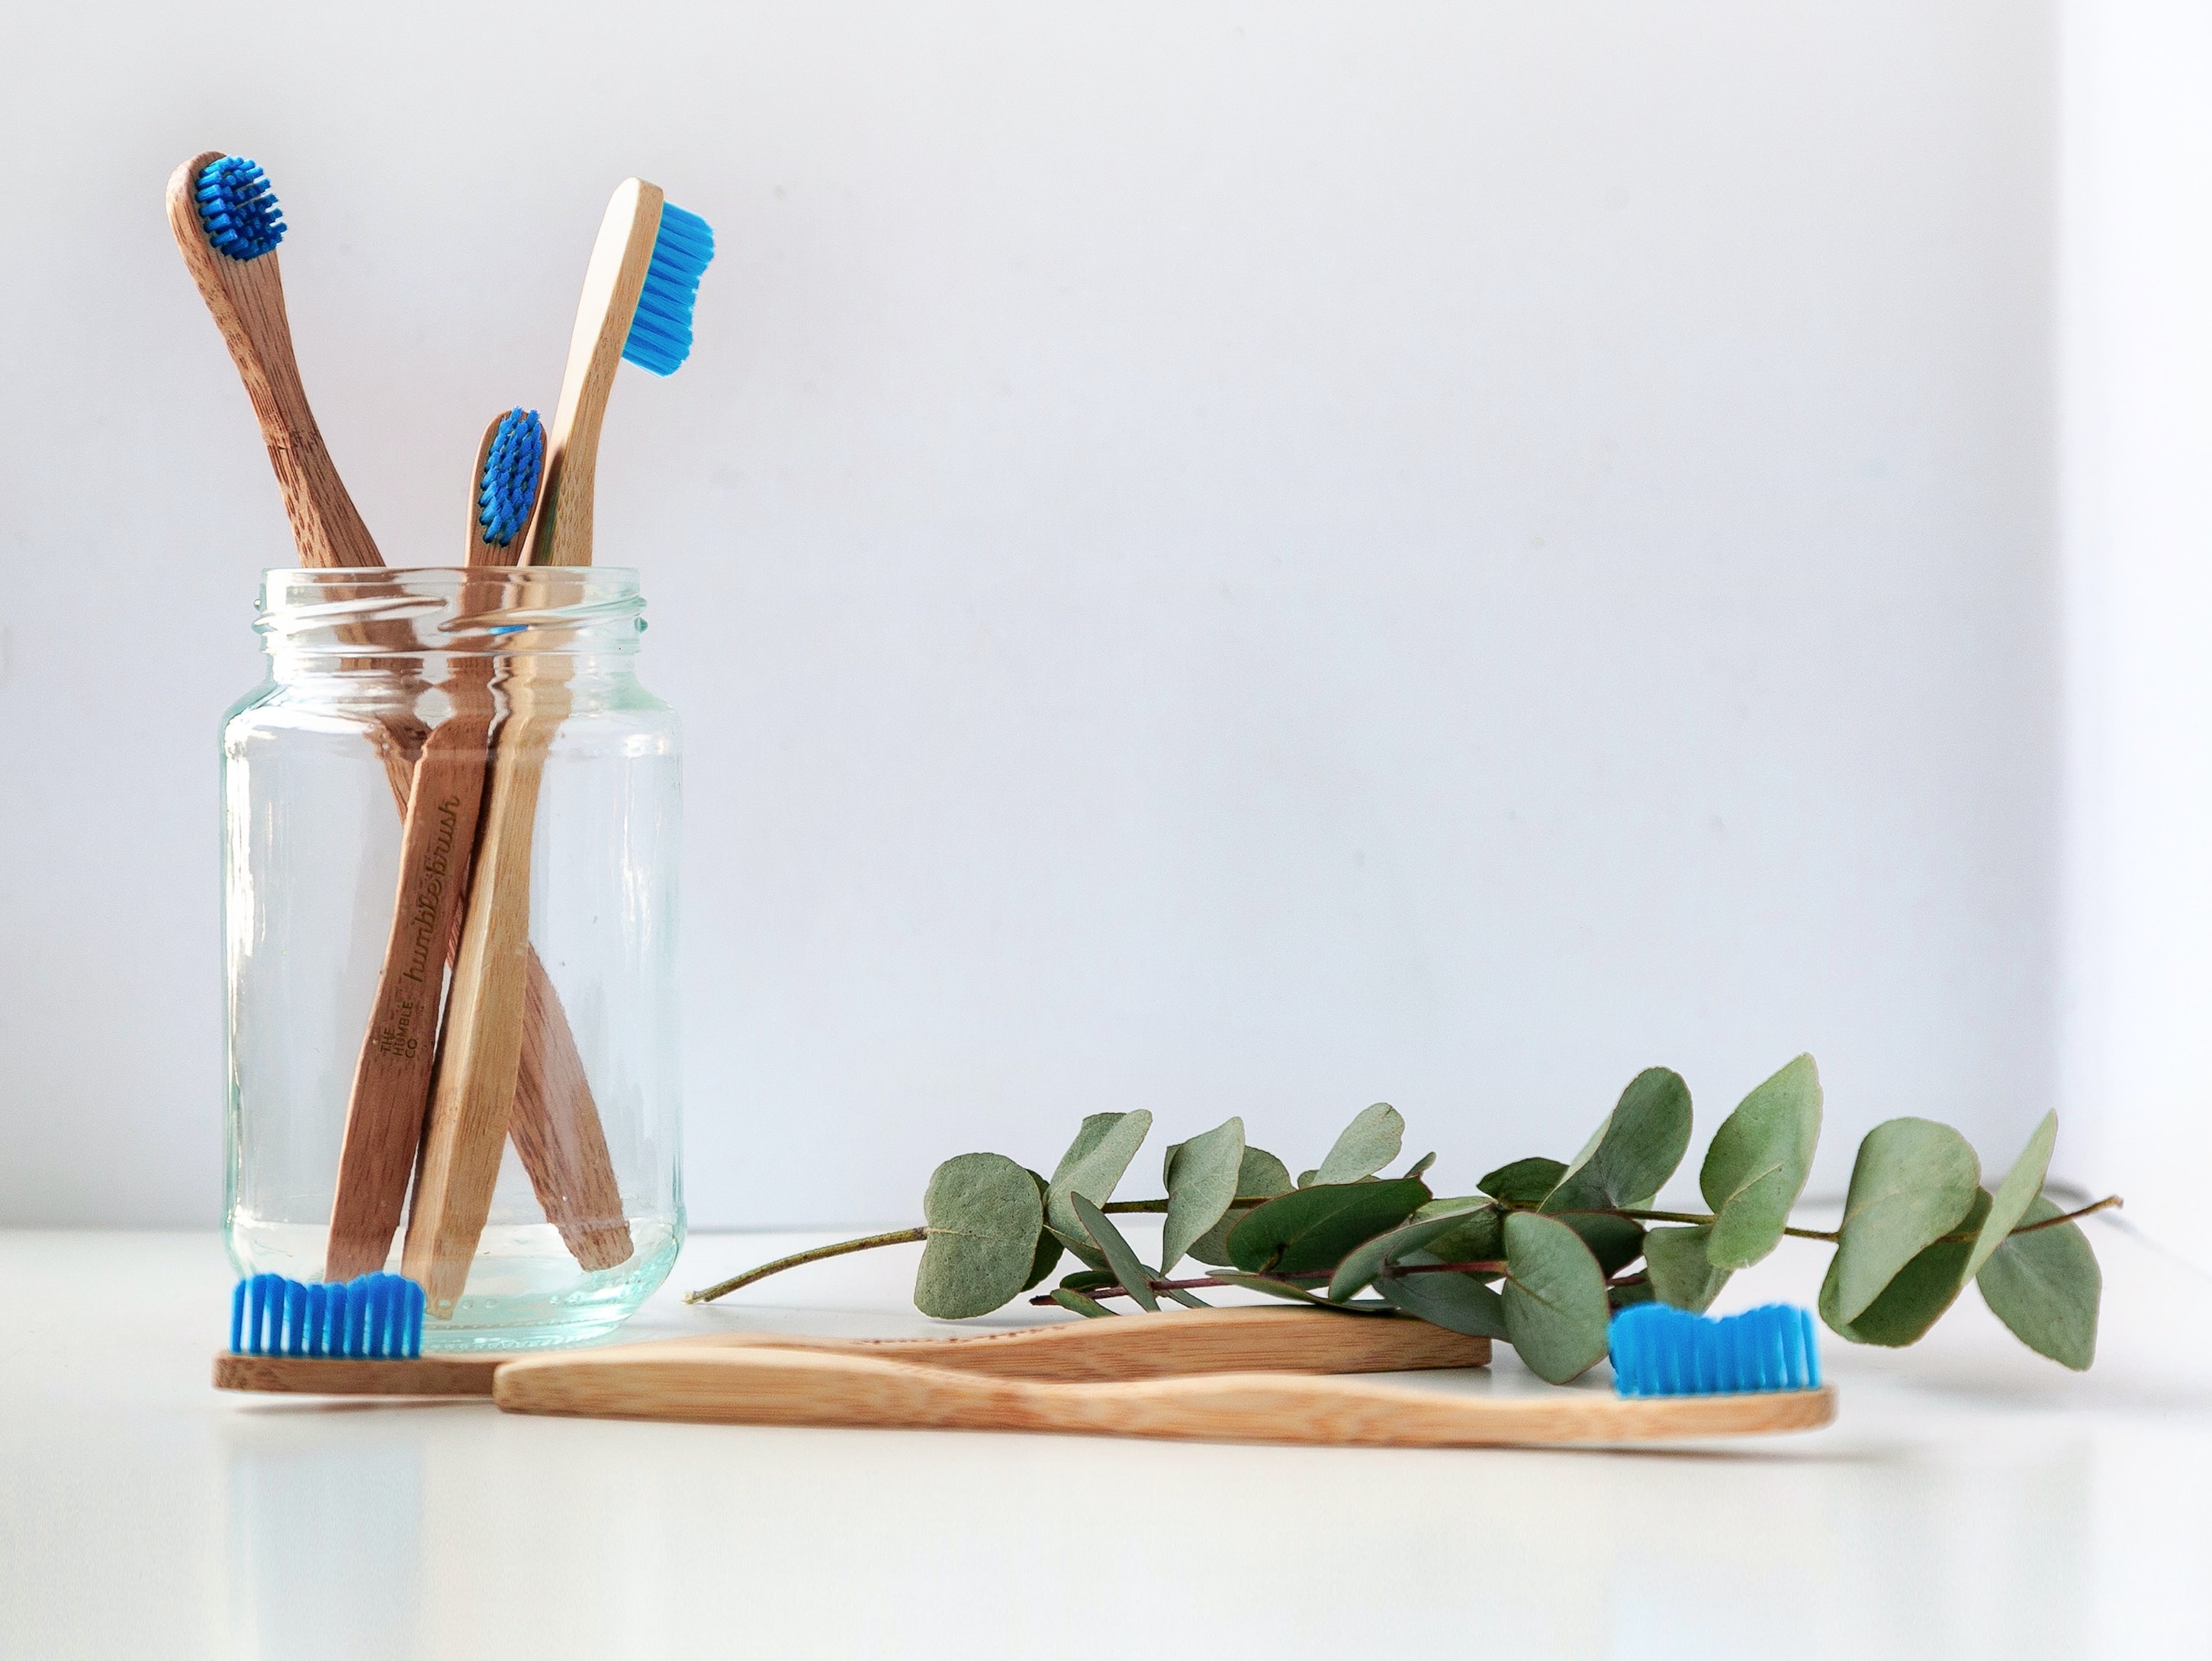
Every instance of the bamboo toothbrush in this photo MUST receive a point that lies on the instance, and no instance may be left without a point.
(1679, 1376)
(276, 1345)
(638, 291)
(227, 224)
(224, 216)
(392, 1077)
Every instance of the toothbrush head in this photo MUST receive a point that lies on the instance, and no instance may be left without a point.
(660, 331)
(238, 208)
(372, 1315)
(1659, 1351)
(508, 488)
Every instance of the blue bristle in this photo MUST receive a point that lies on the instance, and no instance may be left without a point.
(660, 333)
(238, 208)
(1660, 1351)
(372, 1315)
(508, 489)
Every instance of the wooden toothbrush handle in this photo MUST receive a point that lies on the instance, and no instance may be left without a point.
(765, 1386)
(1174, 1343)
(246, 299)
(480, 1049)
(392, 1073)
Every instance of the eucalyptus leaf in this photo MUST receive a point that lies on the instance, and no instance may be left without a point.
(1185, 1297)
(1421, 1166)
(2045, 1285)
(1089, 1308)
(1201, 1177)
(981, 1214)
(1090, 1279)
(1459, 1303)
(1525, 1182)
(1261, 1174)
(1477, 1236)
(1361, 1264)
(1615, 1242)
(1555, 1305)
(1680, 1273)
(1757, 1164)
(2022, 1187)
(1916, 1295)
(1635, 1151)
(1914, 1181)
(1048, 1247)
(1297, 1294)
(1313, 1227)
(1136, 1279)
(1369, 1142)
(1617, 1298)
(1093, 1166)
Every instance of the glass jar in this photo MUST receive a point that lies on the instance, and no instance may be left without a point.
(450, 838)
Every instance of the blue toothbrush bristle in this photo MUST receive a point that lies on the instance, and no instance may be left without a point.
(1660, 1351)
(508, 489)
(238, 210)
(661, 332)
(375, 1316)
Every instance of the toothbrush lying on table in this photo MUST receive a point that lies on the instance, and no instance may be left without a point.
(1677, 1376)
(1205, 1374)
(638, 292)
(227, 224)
(282, 1343)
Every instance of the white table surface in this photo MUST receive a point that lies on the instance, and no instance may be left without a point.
(1972, 1500)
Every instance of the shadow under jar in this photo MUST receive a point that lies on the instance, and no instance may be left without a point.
(377, 677)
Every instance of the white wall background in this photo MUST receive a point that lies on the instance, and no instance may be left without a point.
(2136, 317)
(1222, 557)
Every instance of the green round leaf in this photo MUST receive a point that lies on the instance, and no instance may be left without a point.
(1262, 1174)
(1092, 1166)
(1369, 1142)
(2047, 1286)
(1555, 1305)
(1477, 1236)
(1459, 1303)
(2022, 1186)
(1914, 1180)
(1312, 1228)
(1681, 1274)
(1615, 1242)
(1916, 1294)
(1134, 1276)
(1758, 1163)
(1201, 1179)
(1635, 1151)
(1525, 1182)
(1048, 1247)
(983, 1215)
(1358, 1270)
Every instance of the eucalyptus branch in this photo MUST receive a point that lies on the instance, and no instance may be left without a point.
(994, 1229)
(897, 1237)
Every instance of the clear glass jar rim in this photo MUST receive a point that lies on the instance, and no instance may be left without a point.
(407, 609)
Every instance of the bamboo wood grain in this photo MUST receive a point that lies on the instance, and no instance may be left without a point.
(763, 1386)
(1174, 1343)
(480, 1062)
(246, 298)
(612, 282)
(392, 1074)
(560, 1139)
(486, 1006)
